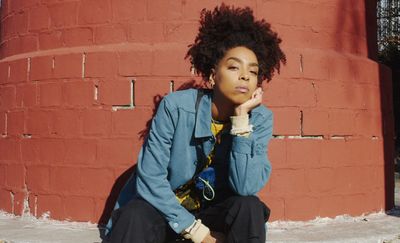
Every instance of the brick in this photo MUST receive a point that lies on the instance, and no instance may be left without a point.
(355, 204)
(65, 179)
(97, 122)
(5, 8)
(2, 174)
(115, 93)
(286, 121)
(164, 10)
(26, 95)
(51, 40)
(334, 152)
(39, 18)
(110, 34)
(301, 93)
(68, 123)
(7, 97)
(368, 123)
(78, 93)
(5, 202)
(377, 151)
(63, 14)
(18, 70)
(4, 66)
(80, 36)
(130, 122)
(116, 151)
(368, 71)
(21, 22)
(50, 205)
(52, 151)
(374, 98)
(68, 66)
(8, 31)
(15, 176)
(94, 12)
(133, 63)
(41, 68)
(97, 182)
(355, 179)
(341, 122)
(32, 199)
(122, 10)
(101, 64)
(275, 93)
(321, 180)
(30, 151)
(315, 122)
(80, 151)
(288, 182)
(3, 122)
(331, 206)
(17, 5)
(277, 153)
(79, 208)
(336, 95)
(15, 123)
(360, 151)
(268, 8)
(19, 198)
(180, 32)
(38, 179)
(50, 94)
(9, 149)
(303, 153)
(39, 122)
(170, 57)
(315, 64)
(27, 43)
(148, 89)
(301, 208)
(146, 32)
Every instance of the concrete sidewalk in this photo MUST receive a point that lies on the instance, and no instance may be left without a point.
(374, 228)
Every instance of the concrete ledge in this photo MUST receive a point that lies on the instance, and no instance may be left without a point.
(379, 227)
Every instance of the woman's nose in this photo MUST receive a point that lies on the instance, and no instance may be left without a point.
(244, 76)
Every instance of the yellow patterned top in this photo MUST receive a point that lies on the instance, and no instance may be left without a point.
(185, 194)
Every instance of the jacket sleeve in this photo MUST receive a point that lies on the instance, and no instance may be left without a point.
(151, 183)
(249, 166)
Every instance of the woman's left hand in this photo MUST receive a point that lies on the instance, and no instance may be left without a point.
(253, 102)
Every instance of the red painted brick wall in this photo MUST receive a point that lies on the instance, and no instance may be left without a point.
(71, 118)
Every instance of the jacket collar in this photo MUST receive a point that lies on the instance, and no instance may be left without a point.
(203, 117)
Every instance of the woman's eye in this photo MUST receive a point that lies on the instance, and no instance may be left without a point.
(254, 72)
(232, 68)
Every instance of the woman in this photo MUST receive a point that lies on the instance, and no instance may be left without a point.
(205, 157)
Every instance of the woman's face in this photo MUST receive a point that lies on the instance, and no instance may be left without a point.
(235, 76)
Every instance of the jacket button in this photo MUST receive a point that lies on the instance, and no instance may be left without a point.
(175, 225)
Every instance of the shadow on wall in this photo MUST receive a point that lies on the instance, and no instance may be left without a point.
(349, 24)
(122, 179)
(386, 103)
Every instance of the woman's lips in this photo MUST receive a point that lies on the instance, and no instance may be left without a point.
(242, 89)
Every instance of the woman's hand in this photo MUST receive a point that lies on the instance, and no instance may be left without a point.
(253, 102)
(214, 237)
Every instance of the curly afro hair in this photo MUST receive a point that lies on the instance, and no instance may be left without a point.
(228, 27)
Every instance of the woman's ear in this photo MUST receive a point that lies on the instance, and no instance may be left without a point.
(212, 77)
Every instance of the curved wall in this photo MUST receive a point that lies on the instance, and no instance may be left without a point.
(79, 80)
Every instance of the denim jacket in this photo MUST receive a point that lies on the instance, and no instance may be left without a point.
(168, 158)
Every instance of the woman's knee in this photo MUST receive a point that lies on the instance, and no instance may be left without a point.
(247, 202)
